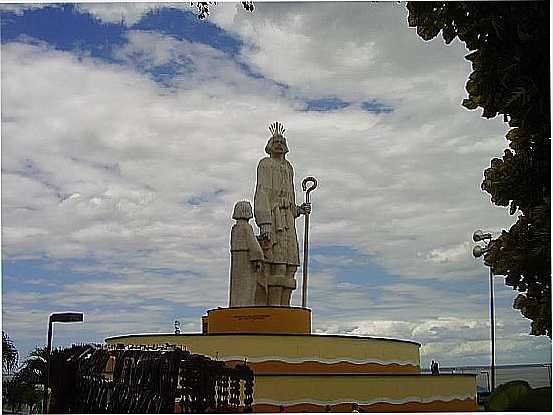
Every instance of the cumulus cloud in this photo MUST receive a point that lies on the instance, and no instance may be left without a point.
(103, 162)
(455, 253)
(20, 8)
(127, 13)
(352, 50)
(124, 149)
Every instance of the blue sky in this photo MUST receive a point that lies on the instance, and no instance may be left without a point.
(130, 130)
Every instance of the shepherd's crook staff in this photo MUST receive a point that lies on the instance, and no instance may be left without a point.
(306, 237)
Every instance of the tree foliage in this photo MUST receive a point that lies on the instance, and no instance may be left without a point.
(517, 396)
(10, 356)
(18, 392)
(22, 388)
(203, 7)
(508, 44)
(35, 367)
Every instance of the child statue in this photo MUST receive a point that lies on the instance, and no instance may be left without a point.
(247, 278)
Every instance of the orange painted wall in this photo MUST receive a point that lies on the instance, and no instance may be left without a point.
(456, 405)
(272, 320)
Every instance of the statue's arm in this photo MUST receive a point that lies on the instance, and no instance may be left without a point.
(254, 249)
(304, 208)
(234, 243)
(262, 208)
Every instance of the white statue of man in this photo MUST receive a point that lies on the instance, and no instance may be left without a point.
(275, 212)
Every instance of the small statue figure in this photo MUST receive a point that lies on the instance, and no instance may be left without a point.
(247, 287)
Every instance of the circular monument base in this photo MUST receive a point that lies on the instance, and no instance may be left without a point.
(258, 319)
(319, 373)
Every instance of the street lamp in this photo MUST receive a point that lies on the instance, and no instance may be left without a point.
(55, 318)
(478, 251)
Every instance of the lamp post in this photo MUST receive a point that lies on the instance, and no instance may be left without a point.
(478, 251)
(55, 318)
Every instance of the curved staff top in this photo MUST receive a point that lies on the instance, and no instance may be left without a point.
(306, 237)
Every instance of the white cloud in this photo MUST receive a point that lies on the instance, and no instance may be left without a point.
(130, 13)
(101, 162)
(127, 12)
(453, 254)
(353, 51)
(20, 8)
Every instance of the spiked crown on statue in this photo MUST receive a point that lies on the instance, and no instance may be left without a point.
(277, 128)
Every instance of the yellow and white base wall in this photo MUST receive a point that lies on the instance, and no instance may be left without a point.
(296, 371)
(373, 393)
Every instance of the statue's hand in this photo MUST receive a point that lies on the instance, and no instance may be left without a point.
(265, 231)
(258, 265)
(305, 209)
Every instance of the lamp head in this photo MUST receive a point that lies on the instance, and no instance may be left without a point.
(480, 235)
(66, 317)
(478, 251)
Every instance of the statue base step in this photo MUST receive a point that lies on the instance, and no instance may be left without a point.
(257, 320)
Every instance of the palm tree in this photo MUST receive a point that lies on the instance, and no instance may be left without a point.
(10, 356)
(23, 387)
(35, 366)
(12, 393)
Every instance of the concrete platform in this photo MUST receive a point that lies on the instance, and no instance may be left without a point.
(296, 371)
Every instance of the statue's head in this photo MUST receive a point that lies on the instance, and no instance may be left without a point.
(242, 210)
(277, 142)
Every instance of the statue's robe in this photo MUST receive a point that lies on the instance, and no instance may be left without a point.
(244, 280)
(275, 204)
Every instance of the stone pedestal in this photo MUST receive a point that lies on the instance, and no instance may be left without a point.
(258, 320)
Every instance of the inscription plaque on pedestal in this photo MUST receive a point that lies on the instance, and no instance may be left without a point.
(274, 320)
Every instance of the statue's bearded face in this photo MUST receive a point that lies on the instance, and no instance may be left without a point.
(279, 145)
(276, 146)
